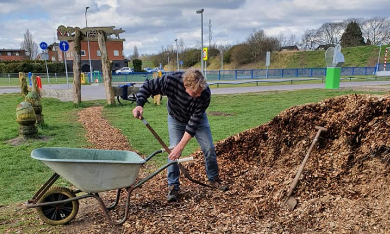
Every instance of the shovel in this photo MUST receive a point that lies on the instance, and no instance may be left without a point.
(182, 168)
(291, 201)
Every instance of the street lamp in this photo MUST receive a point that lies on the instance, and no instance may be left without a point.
(168, 61)
(200, 11)
(177, 55)
(89, 51)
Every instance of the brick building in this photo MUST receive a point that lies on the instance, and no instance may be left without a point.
(12, 55)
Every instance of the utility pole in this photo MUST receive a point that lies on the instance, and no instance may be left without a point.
(200, 11)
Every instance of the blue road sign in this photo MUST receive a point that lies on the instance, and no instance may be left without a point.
(64, 46)
(43, 45)
(181, 62)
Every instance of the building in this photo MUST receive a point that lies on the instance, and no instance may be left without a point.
(12, 55)
(53, 50)
(114, 46)
(289, 48)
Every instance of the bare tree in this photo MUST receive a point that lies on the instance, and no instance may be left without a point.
(29, 45)
(135, 54)
(282, 40)
(181, 45)
(258, 43)
(291, 40)
(376, 30)
(330, 33)
(309, 39)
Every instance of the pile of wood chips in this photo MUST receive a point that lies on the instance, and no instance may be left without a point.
(343, 188)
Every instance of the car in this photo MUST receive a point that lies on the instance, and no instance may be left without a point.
(124, 71)
(148, 69)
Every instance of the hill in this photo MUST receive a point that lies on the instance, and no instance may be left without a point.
(359, 56)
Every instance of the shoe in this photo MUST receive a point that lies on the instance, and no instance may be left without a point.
(173, 194)
(217, 183)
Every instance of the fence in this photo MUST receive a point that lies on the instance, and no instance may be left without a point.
(212, 75)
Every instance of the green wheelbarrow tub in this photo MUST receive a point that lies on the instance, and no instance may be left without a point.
(92, 170)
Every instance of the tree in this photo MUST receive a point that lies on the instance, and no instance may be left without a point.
(330, 33)
(137, 64)
(352, 36)
(258, 43)
(135, 54)
(309, 39)
(29, 45)
(377, 30)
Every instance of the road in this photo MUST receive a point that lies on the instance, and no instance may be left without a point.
(96, 92)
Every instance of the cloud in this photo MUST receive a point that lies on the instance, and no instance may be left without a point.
(152, 25)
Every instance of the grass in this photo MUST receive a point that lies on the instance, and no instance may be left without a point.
(21, 176)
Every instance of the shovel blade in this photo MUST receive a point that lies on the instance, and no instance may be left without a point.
(291, 203)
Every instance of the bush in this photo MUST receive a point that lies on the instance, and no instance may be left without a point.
(242, 54)
(190, 57)
(137, 64)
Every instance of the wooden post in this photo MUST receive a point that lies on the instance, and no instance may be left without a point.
(106, 68)
(77, 68)
(34, 86)
(23, 83)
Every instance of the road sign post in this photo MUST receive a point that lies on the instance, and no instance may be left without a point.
(267, 61)
(45, 56)
(64, 46)
(205, 49)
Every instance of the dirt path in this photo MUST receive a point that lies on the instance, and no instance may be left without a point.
(99, 132)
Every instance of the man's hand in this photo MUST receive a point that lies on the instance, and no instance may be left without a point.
(175, 153)
(138, 111)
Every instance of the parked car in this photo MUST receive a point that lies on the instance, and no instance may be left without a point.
(124, 71)
(148, 69)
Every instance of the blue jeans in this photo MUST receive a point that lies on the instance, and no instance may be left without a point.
(203, 136)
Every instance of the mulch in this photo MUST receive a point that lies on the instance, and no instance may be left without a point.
(343, 188)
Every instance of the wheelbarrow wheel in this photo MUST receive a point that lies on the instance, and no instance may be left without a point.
(58, 214)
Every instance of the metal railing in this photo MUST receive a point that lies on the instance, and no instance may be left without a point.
(211, 75)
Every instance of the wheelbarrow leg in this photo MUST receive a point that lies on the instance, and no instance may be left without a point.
(105, 210)
(44, 188)
(113, 205)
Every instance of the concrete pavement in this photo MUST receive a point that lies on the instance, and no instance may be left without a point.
(96, 92)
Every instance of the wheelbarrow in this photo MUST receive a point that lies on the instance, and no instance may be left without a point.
(91, 171)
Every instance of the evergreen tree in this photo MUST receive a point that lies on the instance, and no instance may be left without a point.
(352, 35)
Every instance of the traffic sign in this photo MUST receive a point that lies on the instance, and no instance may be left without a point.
(181, 62)
(205, 53)
(43, 45)
(64, 46)
(45, 56)
(268, 58)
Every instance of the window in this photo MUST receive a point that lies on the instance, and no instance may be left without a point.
(9, 53)
(116, 52)
(98, 53)
(82, 52)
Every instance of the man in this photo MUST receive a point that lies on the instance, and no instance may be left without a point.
(188, 98)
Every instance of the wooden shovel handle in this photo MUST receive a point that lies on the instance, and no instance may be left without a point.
(296, 179)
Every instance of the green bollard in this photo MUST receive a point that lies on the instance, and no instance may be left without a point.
(332, 78)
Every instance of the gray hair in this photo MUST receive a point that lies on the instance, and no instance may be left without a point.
(193, 79)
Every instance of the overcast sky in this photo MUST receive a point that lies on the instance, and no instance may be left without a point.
(153, 24)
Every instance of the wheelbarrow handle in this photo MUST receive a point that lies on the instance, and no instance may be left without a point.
(182, 160)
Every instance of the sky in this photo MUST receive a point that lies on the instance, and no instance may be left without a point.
(152, 25)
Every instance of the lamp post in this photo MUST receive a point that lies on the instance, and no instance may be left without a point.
(200, 11)
(89, 51)
(177, 55)
(168, 61)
